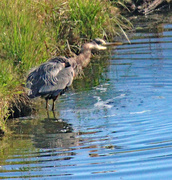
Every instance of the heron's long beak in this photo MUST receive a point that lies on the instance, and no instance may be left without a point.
(104, 45)
(101, 47)
(112, 44)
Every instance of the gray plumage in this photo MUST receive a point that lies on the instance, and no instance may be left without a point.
(50, 79)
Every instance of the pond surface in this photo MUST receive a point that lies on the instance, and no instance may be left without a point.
(115, 123)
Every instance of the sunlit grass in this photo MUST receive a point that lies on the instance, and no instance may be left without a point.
(87, 17)
(21, 40)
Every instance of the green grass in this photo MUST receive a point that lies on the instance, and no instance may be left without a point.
(32, 31)
(86, 17)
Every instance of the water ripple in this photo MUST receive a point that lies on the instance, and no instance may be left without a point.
(119, 129)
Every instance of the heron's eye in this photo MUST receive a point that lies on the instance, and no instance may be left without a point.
(99, 41)
(67, 64)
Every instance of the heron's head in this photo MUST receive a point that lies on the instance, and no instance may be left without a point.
(96, 44)
(99, 44)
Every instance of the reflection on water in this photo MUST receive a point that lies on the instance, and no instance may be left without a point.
(116, 123)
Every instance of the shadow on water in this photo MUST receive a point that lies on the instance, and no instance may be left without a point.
(114, 124)
(35, 141)
(44, 133)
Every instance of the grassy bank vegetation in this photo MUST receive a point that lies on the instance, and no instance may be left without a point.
(32, 31)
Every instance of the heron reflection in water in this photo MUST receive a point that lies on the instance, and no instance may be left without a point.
(52, 78)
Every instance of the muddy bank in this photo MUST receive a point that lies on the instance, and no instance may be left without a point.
(21, 106)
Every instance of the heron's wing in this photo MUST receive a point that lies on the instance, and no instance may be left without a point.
(43, 75)
(59, 83)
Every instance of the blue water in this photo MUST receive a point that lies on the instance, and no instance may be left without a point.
(120, 128)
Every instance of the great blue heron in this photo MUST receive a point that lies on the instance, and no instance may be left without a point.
(53, 77)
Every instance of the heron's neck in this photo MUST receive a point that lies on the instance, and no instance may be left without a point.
(80, 61)
(84, 58)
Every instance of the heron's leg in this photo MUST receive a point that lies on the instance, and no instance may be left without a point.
(54, 103)
(48, 114)
(54, 114)
(46, 106)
